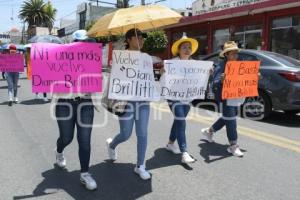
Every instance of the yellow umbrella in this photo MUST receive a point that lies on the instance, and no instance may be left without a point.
(141, 17)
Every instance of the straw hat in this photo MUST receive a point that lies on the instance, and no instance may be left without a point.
(229, 46)
(184, 38)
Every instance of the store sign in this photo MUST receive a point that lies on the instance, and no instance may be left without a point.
(4, 38)
(204, 6)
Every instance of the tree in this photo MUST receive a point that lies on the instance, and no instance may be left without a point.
(50, 13)
(156, 42)
(37, 13)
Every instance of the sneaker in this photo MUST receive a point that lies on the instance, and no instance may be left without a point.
(16, 100)
(38, 96)
(60, 159)
(112, 154)
(187, 158)
(172, 148)
(10, 100)
(141, 171)
(45, 99)
(87, 180)
(208, 134)
(235, 150)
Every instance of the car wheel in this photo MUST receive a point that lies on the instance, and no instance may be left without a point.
(257, 108)
(291, 112)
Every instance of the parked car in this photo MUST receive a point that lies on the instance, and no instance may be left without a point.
(157, 66)
(279, 86)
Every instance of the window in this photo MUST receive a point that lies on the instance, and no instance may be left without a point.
(220, 37)
(288, 61)
(82, 19)
(247, 57)
(282, 22)
(285, 36)
(249, 37)
(199, 35)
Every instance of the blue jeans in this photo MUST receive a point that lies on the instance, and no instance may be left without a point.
(180, 111)
(228, 119)
(83, 119)
(137, 112)
(12, 81)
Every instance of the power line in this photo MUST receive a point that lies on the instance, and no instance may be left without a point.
(105, 2)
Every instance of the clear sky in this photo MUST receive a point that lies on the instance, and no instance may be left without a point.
(9, 10)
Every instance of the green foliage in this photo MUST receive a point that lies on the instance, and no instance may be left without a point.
(156, 42)
(38, 13)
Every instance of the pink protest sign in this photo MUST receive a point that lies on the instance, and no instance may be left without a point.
(67, 68)
(11, 63)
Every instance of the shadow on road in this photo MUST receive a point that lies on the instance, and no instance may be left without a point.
(276, 117)
(4, 103)
(6, 87)
(34, 102)
(282, 119)
(216, 150)
(115, 181)
(163, 158)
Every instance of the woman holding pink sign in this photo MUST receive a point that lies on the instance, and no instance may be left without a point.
(76, 110)
(12, 80)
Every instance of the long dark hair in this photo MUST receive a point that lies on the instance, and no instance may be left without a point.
(126, 44)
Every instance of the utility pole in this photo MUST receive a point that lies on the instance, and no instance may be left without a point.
(122, 3)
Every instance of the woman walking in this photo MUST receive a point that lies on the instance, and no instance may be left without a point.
(137, 113)
(229, 113)
(182, 49)
(12, 79)
(76, 110)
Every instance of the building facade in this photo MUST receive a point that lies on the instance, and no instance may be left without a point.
(272, 25)
(86, 13)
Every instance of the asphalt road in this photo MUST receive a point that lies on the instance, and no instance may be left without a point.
(268, 171)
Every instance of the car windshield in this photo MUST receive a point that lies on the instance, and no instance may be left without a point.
(286, 60)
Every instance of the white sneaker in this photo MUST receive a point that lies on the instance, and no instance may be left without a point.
(112, 154)
(172, 148)
(141, 171)
(208, 134)
(235, 150)
(16, 100)
(60, 159)
(39, 96)
(187, 158)
(87, 180)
